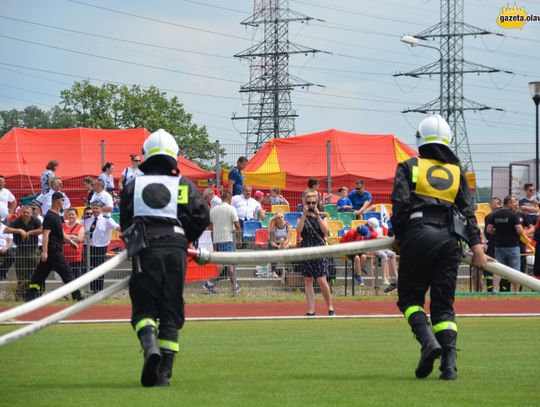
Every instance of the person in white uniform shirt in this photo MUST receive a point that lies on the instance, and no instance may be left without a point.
(8, 203)
(46, 199)
(100, 194)
(98, 229)
(246, 207)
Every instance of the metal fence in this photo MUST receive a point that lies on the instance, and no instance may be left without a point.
(267, 279)
(73, 168)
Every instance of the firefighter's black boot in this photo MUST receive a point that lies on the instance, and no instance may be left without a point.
(448, 338)
(165, 367)
(152, 355)
(431, 349)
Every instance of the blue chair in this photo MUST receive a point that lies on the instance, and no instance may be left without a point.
(292, 218)
(368, 215)
(249, 228)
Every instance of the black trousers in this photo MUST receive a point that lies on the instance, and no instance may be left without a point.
(157, 291)
(57, 262)
(98, 256)
(429, 259)
(7, 258)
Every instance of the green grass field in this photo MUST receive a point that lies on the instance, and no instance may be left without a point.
(323, 362)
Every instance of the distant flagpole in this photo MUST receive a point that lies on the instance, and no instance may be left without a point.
(27, 173)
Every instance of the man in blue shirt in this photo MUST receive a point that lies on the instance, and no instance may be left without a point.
(236, 179)
(360, 198)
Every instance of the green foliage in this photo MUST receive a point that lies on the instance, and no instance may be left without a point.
(320, 362)
(112, 106)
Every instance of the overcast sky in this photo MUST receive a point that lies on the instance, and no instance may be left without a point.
(360, 94)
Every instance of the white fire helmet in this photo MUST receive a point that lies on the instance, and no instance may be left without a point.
(434, 129)
(160, 143)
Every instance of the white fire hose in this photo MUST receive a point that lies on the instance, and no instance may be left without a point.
(202, 257)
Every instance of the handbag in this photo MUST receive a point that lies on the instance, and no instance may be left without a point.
(325, 243)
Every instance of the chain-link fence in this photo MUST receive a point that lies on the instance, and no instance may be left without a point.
(270, 279)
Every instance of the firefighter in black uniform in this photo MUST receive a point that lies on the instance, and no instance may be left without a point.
(161, 212)
(428, 190)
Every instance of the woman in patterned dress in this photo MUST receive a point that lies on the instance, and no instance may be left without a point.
(312, 227)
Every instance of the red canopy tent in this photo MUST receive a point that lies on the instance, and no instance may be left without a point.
(289, 162)
(26, 152)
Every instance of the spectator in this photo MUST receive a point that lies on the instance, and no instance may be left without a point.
(36, 211)
(46, 199)
(48, 175)
(212, 184)
(359, 260)
(528, 232)
(495, 204)
(51, 256)
(279, 235)
(223, 224)
(107, 177)
(529, 204)
(536, 268)
(85, 266)
(6, 254)
(275, 197)
(386, 257)
(100, 194)
(313, 186)
(129, 173)
(75, 231)
(99, 230)
(26, 255)
(236, 179)
(360, 199)
(312, 227)
(246, 207)
(259, 197)
(8, 203)
(506, 228)
(211, 198)
(88, 183)
(344, 204)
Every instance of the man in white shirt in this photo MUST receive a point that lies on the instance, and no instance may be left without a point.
(224, 224)
(8, 203)
(246, 207)
(104, 197)
(211, 198)
(98, 229)
(46, 199)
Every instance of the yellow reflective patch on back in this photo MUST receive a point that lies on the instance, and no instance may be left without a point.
(415, 174)
(437, 179)
(183, 194)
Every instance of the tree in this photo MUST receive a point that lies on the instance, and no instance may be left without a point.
(35, 118)
(112, 106)
(9, 119)
(119, 106)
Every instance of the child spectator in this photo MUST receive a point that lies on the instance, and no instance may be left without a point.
(353, 235)
(344, 204)
(275, 197)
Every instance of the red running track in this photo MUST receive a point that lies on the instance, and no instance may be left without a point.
(463, 306)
